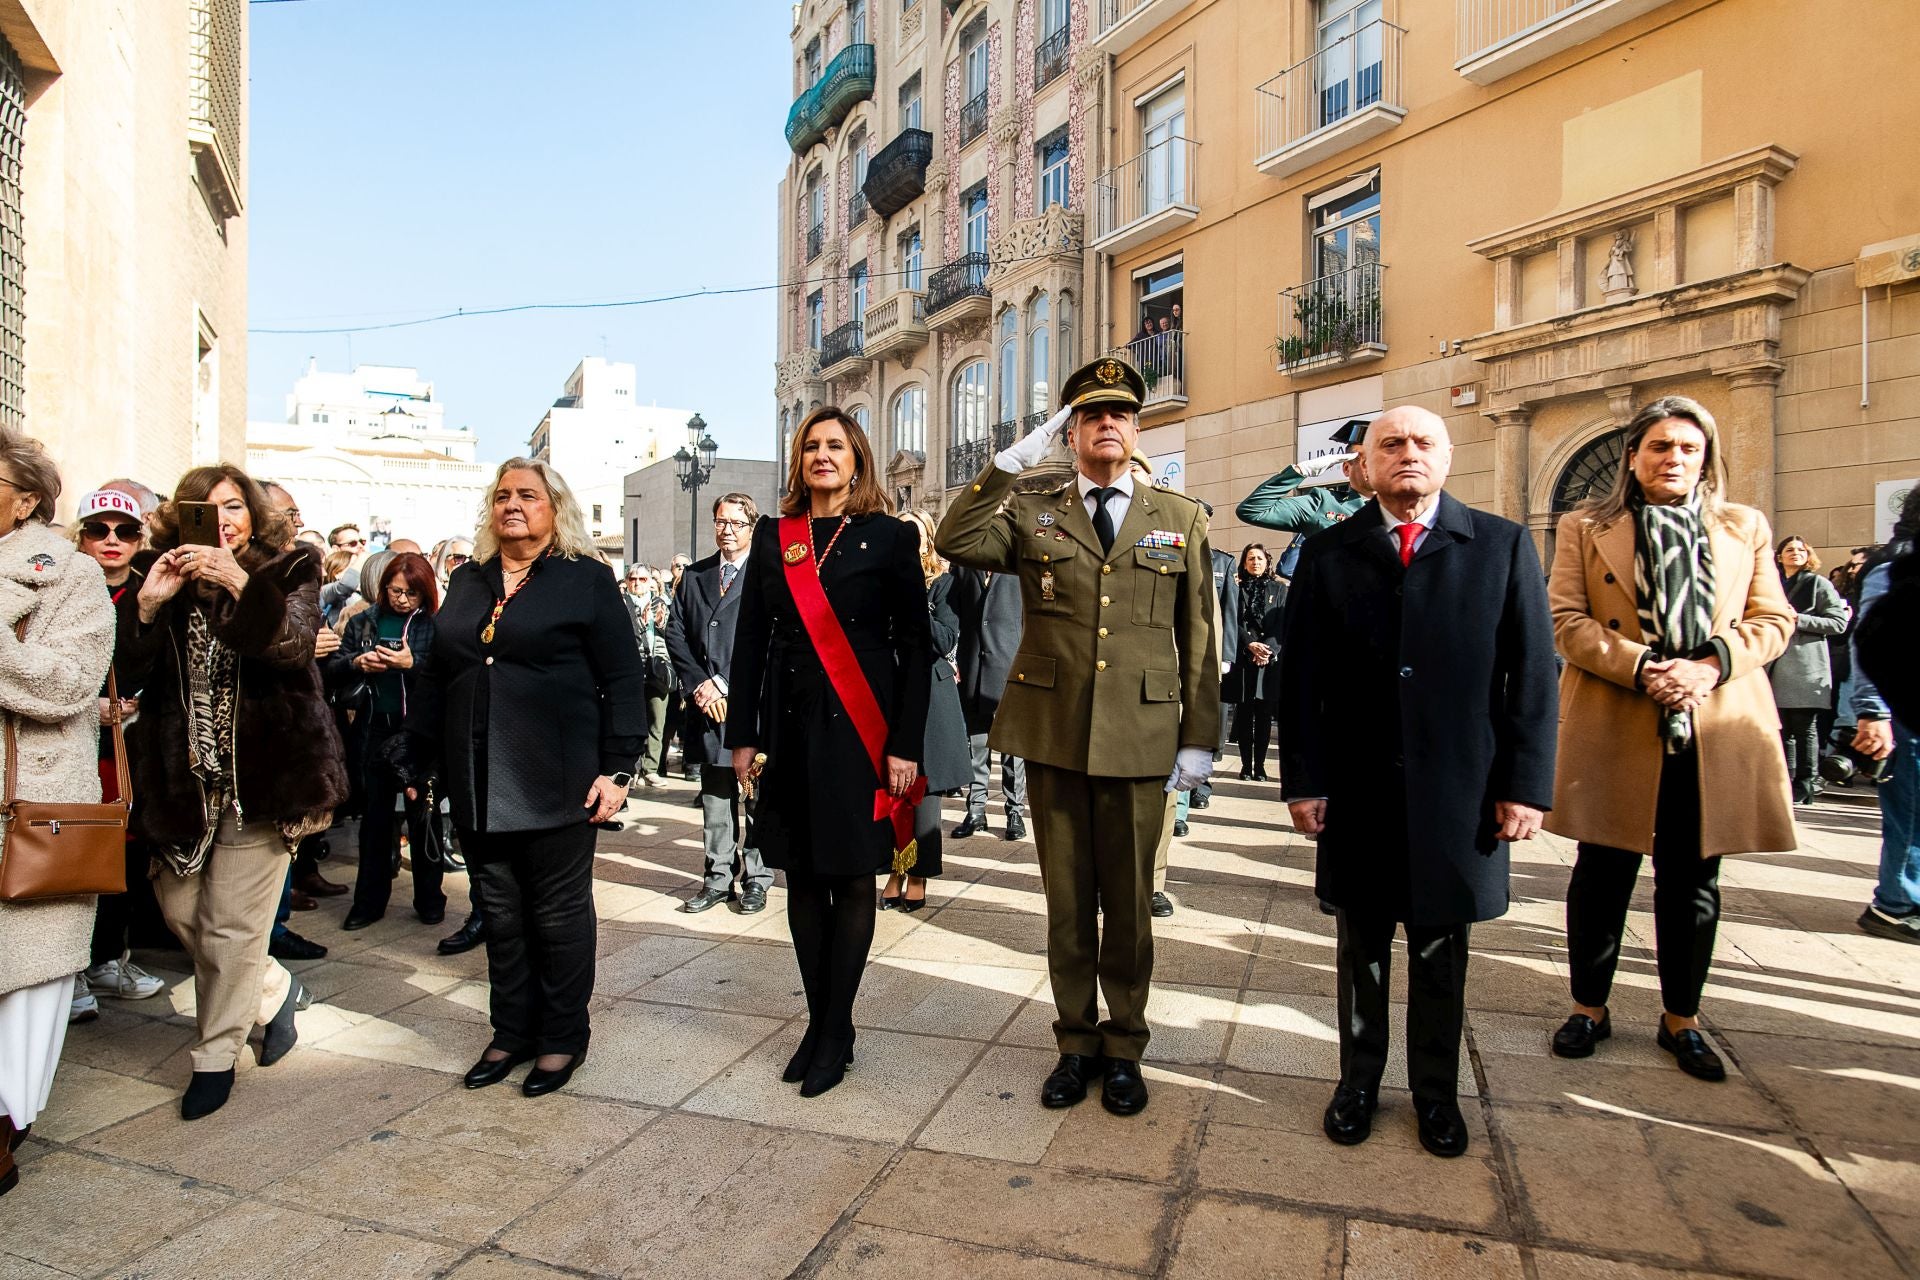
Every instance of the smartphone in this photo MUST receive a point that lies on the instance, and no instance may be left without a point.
(199, 524)
(393, 643)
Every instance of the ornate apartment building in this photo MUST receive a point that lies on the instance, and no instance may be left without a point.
(1527, 215)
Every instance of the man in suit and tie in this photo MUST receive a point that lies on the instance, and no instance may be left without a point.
(1418, 714)
(988, 605)
(700, 638)
(1114, 700)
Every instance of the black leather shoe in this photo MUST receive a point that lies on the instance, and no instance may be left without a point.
(1180, 828)
(753, 899)
(1016, 827)
(291, 946)
(206, 1093)
(829, 1066)
(1068, 1083)
(1443, 1130)
(969, 826)
(1162, 906)
(358, 919)
(466, 939)
(1124, 1092)
(281, 1035)
(483, 1073)
(1200, 802)
(1691, 1050)
(1579, 1034)
(435, 916)
(889, 903)
(705, 900)
(911, 905)
(1349, 1117)
(539, 1083)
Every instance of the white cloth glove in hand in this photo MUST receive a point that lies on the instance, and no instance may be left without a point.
(1326, 462)
(1032, 449)
(1193, 766)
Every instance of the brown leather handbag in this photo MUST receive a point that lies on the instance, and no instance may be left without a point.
(54, 850)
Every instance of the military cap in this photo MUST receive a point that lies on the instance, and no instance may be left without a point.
(1351, 432)
(1109, 379)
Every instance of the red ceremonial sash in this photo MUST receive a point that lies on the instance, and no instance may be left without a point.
(849, 684)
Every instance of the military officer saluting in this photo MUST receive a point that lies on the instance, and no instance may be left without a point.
(1114, 699)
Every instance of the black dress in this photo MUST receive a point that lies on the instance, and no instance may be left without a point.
(815, 806)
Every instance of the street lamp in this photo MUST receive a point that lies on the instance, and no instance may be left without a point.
(694, 464)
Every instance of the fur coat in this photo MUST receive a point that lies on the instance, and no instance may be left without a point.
(50, 687)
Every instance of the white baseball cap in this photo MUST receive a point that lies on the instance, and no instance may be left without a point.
(104, 501)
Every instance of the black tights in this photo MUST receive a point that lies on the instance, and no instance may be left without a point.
(1253, 728)
(831, 920)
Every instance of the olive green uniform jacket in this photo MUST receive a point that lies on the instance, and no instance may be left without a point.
(1117, 667)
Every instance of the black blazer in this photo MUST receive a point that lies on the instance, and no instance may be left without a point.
(990, 621)
(1247, 682)
(524, 725)
(700, 630)
(1413, 700)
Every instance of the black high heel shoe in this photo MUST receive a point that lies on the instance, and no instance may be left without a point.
(913, 904)
(802, 1058)
(829, 1066)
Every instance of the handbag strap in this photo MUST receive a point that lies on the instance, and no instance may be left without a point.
(119, 737)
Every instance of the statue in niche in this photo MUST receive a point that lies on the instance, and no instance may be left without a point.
(1617, 279)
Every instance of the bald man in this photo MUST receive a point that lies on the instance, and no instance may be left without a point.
(1417, 712)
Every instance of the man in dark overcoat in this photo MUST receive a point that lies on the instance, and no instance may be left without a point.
(1418, 713)
(988, 605)
(706, 607)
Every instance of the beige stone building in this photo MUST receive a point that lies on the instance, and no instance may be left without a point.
(123, 233)
(1527, 215)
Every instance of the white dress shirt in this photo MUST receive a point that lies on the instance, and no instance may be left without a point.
(1117, 505)
(1424, 517)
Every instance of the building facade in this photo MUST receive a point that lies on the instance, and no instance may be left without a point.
(1530, 216)
(595, 434)
(123, 234)
(373, 447)
(661, 520)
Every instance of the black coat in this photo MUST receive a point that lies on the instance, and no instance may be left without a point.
(815, 806)
(362, 634)
(988, 607)
(524, 725)
(700, 631)
(947, 760)
(1413, 700)
(1263, 620)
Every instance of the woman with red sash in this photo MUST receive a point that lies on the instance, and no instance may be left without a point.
(832, 666)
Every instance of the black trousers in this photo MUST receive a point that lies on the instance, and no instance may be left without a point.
(379, 859)
(1436, 1003)
(1686, 900)
(1800, 735)
(536, 890)
(1252, 731)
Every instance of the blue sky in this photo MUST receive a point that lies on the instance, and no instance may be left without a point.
(410, 157)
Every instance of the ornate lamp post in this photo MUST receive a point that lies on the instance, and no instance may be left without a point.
(694, 465)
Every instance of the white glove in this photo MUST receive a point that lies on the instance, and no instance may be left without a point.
(1314, 466)
(1226, 668)
(1032, 449)
(1191, 767)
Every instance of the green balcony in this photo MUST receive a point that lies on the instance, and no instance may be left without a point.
(848, 79)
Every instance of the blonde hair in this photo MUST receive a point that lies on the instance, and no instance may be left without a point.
(570, 537)
(1617, 501)
(931, 565)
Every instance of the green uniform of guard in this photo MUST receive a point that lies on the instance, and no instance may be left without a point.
(1116, 672)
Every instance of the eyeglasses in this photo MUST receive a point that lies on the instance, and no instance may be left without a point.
(291, 513)
(99, 529)
(456, 559)
(395, 589)
(719, 523)
(350, 544)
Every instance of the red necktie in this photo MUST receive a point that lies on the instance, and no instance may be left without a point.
(1408, 533)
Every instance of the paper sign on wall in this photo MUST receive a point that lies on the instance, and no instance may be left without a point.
(1888, 495)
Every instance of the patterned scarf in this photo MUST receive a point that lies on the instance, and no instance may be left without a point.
(1673, 587)
(213, 683)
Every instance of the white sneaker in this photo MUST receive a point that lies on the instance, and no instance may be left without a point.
(85, 1008)
(124, 980)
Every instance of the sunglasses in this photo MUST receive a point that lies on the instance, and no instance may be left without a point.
(98, 529)
(455, 560)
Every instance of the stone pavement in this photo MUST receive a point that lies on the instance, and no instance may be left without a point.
(677, 1152)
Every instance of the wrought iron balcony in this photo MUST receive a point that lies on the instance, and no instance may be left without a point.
(973, 118)
(1334, 320)
(1050, 58)
(897, 174)
(1003, 434)
(847, 80)
(1161, 359)
(857, 208)
(967, 460)
(898, 323)
(816, 240)
(1343, 95)
(958, 291)
(842, 351)
(1145, 197)
(1495, 38)
(1120, 24)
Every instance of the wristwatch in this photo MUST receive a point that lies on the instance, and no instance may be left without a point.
(622, 780)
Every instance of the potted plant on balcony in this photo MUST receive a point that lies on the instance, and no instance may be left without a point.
(1327, 323)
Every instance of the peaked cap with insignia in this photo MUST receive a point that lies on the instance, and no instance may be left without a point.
(1109, 379)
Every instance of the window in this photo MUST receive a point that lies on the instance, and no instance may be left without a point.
(912, 272)
(1346, 226)
(1347, 71)
(857, 22)
(1163, 129)
(1053, 170)
(910, 420)
(1053, 17)
(1068, 358)
(811, 63)
(596, 513)
(216, 97)
(910, 104)
(816, 318)
(975, 204)
(859, 275)
(1009, 406)
(816, 200)
(1038, 341)
(1159, 291)
(970, 403)
(859, 414)
(1053, 41)
(973, 90)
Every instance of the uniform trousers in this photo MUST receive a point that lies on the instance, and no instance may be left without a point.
(1013, 780)
(720, 834)
(1096, 838)
(1436, 1002)
(536, 890)
(223, 915)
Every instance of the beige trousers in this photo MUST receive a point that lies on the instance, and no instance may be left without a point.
(1165, 846)
(223, 917)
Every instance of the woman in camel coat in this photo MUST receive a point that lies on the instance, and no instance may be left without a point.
(1667, 608)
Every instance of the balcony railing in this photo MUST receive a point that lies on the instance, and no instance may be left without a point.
(1495, 38)
(857, 208)
(816, 240)
(967, 460)
(1120, 24)
(973, 118)
(841, 344)
(847, 80)
(897, 174)
(1050, 58)
(898, 323)
(1341, 96)
(1145, 196)
(1330, 321)
(1003, 434)
(959, 280)
(1161, 359)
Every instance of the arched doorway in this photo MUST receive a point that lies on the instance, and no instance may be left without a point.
(1589, 472)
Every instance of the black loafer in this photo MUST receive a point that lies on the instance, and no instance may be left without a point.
(436, 916)
(1016, 827)
(539, 1083)
(1124, 1092)
(752, 900)
(1691, 1050)
(1579, 1034)
(468, 937)
(1443, 1130)
(1349, 1117)
(1200, 802)
(1181, 829)
(1162, 905)
(280, 1035)
(291, 946)
(705, 900)
(358, 919)
(484, 1073)
(968, 827)
(1068, 1083)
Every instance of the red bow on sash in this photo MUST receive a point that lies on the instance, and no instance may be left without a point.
(850, 685)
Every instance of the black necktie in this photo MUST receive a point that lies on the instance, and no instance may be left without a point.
(1102, 518)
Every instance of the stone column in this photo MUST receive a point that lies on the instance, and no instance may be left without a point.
(1749, 431)
(1510, 427)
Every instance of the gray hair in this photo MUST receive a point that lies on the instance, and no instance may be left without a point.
(32, 471)
(570, 537)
